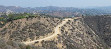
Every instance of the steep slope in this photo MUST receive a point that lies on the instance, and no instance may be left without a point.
(101, 25)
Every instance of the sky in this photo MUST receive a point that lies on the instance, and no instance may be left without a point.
(59, 3)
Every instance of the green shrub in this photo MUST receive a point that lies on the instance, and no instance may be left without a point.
(28, 47)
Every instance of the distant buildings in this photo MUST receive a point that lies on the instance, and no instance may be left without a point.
(8, 12)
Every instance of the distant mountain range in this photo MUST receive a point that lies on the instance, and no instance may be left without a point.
(57, 11)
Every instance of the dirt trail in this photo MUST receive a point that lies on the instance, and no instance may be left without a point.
(56, 32)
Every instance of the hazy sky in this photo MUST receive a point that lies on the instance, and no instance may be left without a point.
(61, 3)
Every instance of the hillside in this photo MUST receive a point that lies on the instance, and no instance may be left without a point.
(55, 33)
(102, 26)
